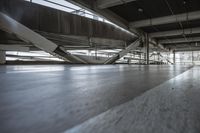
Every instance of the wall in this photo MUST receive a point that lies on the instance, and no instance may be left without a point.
(2, 57)
(46, 19)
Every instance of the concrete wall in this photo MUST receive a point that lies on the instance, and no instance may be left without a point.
(46, 19)
(2, 57)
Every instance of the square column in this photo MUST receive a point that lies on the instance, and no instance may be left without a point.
(146, 45)
(2, 57)
(174, 57)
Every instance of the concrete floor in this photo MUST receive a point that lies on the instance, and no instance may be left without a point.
(172, 107)
(63, 98)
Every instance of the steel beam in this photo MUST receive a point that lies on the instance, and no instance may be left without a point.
(188, 49)
(102, 4)
(11, 26)
(166, 19)
(175, 32)
(180, 40)
(123, 52)
(182, 45)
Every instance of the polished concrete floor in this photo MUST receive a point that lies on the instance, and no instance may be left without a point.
(172, 107)
(104, 98)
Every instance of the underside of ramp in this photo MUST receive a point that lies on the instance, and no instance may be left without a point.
(132, 46)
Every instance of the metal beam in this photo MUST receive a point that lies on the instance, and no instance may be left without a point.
(183, 45)
(188, 49)
(132, 46)
(11, 26)
(102, 4)
(166, 19)
(180, 40)
(175, 32)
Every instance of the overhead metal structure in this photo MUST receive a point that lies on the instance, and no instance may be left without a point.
(178, 32)
(170, 22)
(180, 40)
(167, 19)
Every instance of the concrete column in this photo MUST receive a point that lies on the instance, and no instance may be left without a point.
(192, 58)
(174, 57)
(95, 49)
(144, 54)
(140, 62)
(2, 57)
(147, 49)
